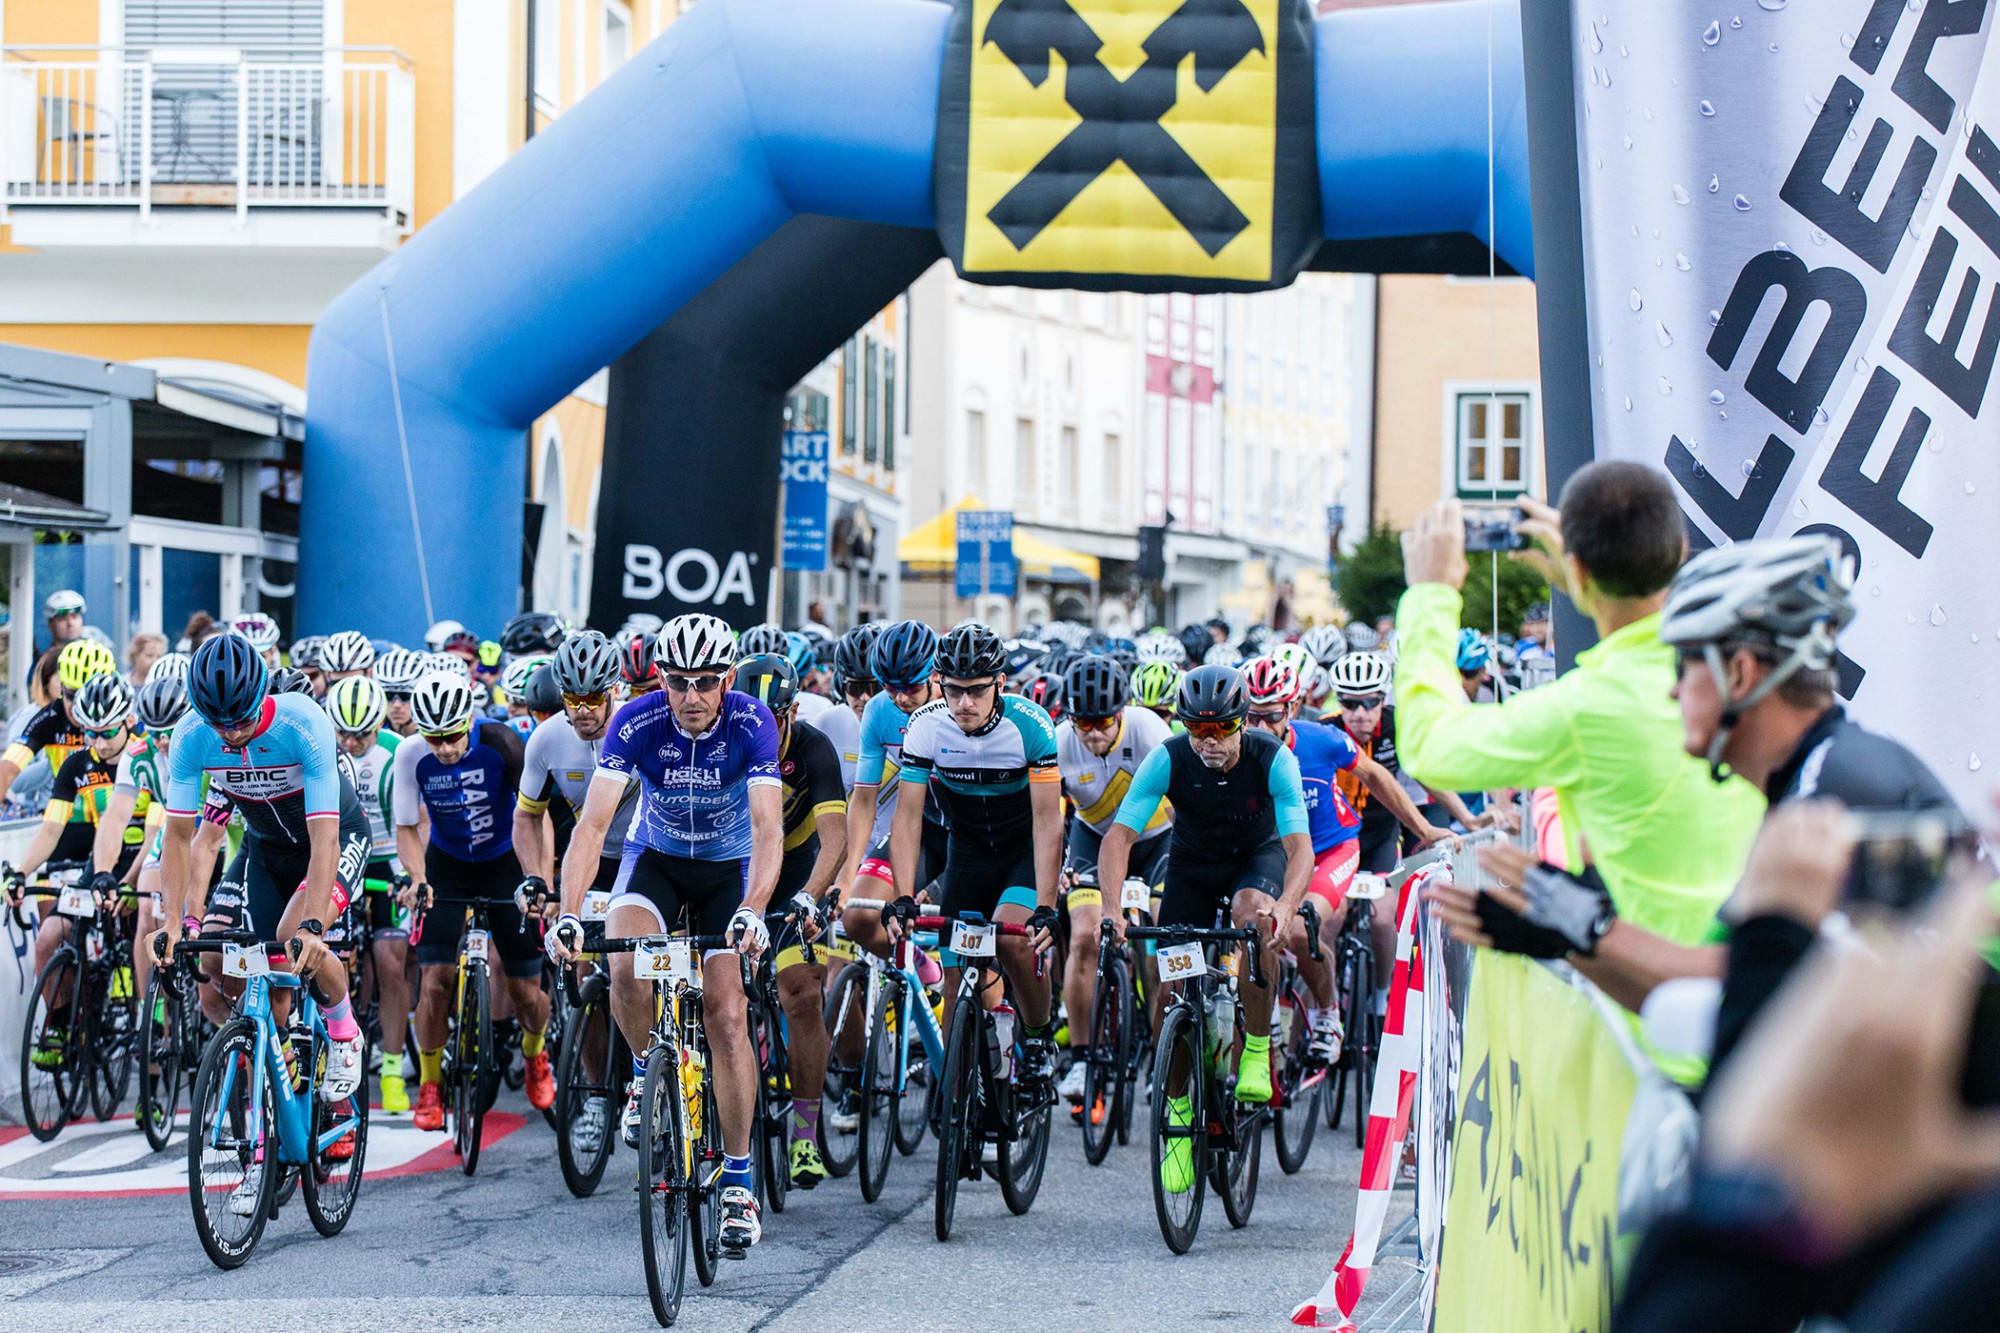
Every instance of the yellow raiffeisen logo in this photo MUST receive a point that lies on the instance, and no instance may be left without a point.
(1122, 136)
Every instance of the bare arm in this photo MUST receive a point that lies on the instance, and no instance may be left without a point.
(1631, 960)
(531, 847)
(1383, 786)
(832, 831)
(9, 770)
(1114, 858)
(767, 843)
(110, 836)
(861, 806)
(176, 866)
(586, 841)
(1456, 807)
(1046, 800)
(410, 851)
(906, 832)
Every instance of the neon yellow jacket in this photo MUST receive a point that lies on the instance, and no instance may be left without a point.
(1669, 841)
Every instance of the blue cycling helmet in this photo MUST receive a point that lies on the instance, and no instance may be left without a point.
(227, 680)
(1472, 650)
(801, 652)
(905, 654)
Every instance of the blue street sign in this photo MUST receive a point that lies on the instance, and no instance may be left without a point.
(805, 464)
(986, 553)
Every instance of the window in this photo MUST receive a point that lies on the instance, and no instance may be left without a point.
(889, 408)
(871, 443)
(1024, 458)
(1071, 477)
(1114, 481)
(1492, 444)
(975, 452)
(548, 49)
(617, 38)
(850, 390)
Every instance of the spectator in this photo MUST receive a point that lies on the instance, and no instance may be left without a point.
(201, 625)
(145, 649)
(1668, 842)
(816, 621)
(1537, 635)
(63, 612)
(1218, 630)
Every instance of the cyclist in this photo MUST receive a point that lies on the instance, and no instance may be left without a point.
(1155, 686)
(263, 633)
(368, 748)
(815, 829)
(992, 757)
(803, 655)
(397, 672)
(486, 670)
(1325, 754)
(53, 730)
(1242, 842)
(638, 662)
(703, 755)
(305, 837)
(761, 638)
(856, 684)
(1099, 746)
(1360, 690)
(533, 633)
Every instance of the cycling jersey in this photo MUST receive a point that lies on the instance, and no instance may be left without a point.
(373, 776)
(811, 707)
(883, 727)
(558, 767)
(696, 788)
(1096, 784)
(1860, 769)
(842, 727)
(84, 784)
(1324, 753)
(142, 776)
(1382, 749)
(983, 780)
(1219, 817)
(50, 730)
(471, 802)
(284, 775)
(522, 723)
(809, 774)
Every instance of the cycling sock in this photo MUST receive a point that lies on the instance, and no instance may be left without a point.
(736, 1171)
(1257, 1046)
(340, 1023)
(638, 1067)
(430, 1065)
(1045, 1032)
(531, 1045)
(805, 1118)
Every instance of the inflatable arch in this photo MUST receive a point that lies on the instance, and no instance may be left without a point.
(723, 211)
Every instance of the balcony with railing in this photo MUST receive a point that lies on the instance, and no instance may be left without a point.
(103, 145)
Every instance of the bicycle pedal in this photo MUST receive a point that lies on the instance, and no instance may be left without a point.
(729, 1253)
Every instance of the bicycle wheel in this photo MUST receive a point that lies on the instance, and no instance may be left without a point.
(1179, 1210)
(1232, 1173)
(1138, 1060)
(578, 1094)
(770, 1133)
(913, 1106)
(160, 1027)
(226, 1147)
(331, 1179)
(1104, 1057)
(552, 1031)
(80, 1045)
(1024, 1154)
(1362, 1038)
(705, 1195)
(47, 1068)
(664, 1185)
(473, 1055)
(111, 1041)
(961, 1113)
(879, 1100)
(1295, 1111)
(840, 1134)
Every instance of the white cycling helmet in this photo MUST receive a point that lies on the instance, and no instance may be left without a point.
(1361, 639)
(435, 636)
(643, 622)
(442, 704)
(1297, 658)
(450, 664)
(1222, 654)
(348, 650)
(515, 678)
(401, 668)
(1360, 673)
(1160, 646)
(171, 666)
(260, 629)
(1325, 642)
(697, 643)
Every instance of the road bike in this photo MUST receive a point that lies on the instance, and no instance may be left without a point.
(472, 1068)
(1354, 991)
(902, 1055)
(172, 1035)
(590, 1084)
(80, 1026)
(1298, 1078)
(771, 1131)
(1120, 1034)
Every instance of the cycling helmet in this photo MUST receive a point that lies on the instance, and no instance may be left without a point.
(643, 621)
(515, 678)
(171, 666)
(104, 702)
(1325, 644)
(81, 659)
(1297, 658)
(1156, 684)
(768, 677)
(801, 653)
(638, 657)
(63, 602)
(1255, 638)
(442, 705)
(542, 695)
(1473, 654)
(1212, 693)
(851, 653)
(399, 668)
(905, 654)
(1537, 611)
(291, 680)
(1022, 655)
(439, 634)
(161, 703)
(1195, 640)
(697, 643)
(587, 663)
(357, 705)
(1160, 646)
(1222, 654)
(482, 699)
(463, 644)
(1269, 681)
(1361, 639)
(227, 680)
(971, 651)
(449, 663)
(260, 629)
(1045, 688)
(490, 653)
(1360, 673)
(765, 638)
(1096, 687)
(533, 632)
(305, 652)
(348, 650)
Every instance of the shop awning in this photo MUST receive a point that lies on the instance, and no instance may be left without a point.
(932, 548)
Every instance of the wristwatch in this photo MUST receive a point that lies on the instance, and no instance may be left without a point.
(314, 926)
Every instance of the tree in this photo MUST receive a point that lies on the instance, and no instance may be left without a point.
(1520, 588)
(1370, 577)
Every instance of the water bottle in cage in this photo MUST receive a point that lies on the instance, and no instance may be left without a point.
(1001, 1062)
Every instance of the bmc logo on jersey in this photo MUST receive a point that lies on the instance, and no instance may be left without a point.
(262, 784)
(690, 574)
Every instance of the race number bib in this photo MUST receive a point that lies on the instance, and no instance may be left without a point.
(238, 961)
(972, 941)
(476, 944)
(1134, 895)
(596, 904)
(1179, 962)
(673, 961)
(1366, 885)
(78, 903)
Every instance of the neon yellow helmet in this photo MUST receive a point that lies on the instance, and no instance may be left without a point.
(489, 653)
(1156, 684)
(357, 705)
(80, 660)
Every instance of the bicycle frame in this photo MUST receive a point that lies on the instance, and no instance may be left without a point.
(296, 1145)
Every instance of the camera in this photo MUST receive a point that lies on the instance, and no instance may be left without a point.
(1499, 532)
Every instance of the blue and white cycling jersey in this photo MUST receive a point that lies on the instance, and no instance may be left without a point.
(1323, 752)
(882, 728)
(471, 803)
(696, 789)
(284, 775)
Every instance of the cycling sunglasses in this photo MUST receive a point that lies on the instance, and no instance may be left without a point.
(1215, 731)
(597, 700)
(861, 689)
(97, 735)
(1363, 701)
(1269, 721)
(955, 693)
(399, 696)
(705, 684)
(446, 735)
(1094, 723)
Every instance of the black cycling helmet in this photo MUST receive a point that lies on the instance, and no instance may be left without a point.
(970, 651)
(586, 663)
(1024, 654)
(543, 695)
(1212, 694)
(761, 639)
(161, 702)
(227, 680)
(1196, 640)
(639, 657)
(1096, 687)
(533, 632)
(291, 680)
(768, 677)
(1045, 688)
(851, 653)
(905, 654)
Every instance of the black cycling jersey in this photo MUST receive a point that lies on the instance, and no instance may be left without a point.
(1857, 767)
(1222, 817)
(1375, 816)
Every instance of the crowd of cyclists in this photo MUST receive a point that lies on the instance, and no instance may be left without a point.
(732, 847)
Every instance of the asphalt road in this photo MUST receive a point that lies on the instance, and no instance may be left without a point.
(511, 1248)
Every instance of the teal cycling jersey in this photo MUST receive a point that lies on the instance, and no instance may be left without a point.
(983, 779)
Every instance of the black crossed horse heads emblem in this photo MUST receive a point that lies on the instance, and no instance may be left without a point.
(1121, 117)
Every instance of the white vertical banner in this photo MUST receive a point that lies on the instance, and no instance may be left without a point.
(1792, 254)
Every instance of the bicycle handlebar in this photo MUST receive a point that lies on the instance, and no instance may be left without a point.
(705, 943)
(1207, 935)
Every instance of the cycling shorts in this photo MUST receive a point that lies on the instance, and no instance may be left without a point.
(678, 889)
(263, 876)
(1381, 848)
(1196, 890)
(1333, 872)
(389, 919)
(976, 881)
(495, 880)
(931, 854)
(1148, 861)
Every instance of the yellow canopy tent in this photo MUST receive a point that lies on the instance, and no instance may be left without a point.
(932, 548)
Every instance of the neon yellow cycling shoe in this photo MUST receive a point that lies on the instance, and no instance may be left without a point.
(395, 1096)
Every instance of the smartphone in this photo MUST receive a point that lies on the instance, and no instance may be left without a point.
(1901, 855)
(1498, 533)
